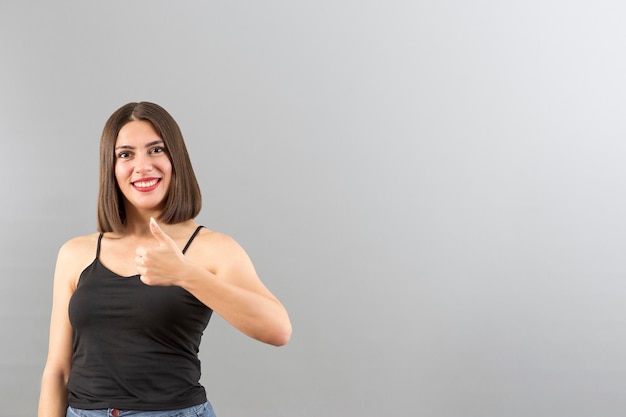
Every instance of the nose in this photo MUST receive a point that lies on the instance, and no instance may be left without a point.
(143, 164)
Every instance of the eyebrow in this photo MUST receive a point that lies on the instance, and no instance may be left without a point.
(154, 142)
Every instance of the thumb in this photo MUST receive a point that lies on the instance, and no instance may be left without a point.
(160, 235)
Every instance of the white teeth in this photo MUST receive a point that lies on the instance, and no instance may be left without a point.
(145, 184)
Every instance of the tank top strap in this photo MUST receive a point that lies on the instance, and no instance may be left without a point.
(98, 247)
(193, 236)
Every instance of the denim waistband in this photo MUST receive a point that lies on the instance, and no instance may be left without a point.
(201, 410)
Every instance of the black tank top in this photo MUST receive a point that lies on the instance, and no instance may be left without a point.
(135, 346)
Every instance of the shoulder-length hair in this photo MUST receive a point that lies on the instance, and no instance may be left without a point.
(183, 200)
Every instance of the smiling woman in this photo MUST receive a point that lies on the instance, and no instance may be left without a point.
(139, 293)
(142, 168)
(155, 126)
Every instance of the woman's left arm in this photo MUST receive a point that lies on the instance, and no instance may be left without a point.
(233, 290)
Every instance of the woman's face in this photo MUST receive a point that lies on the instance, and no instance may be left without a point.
(142, 168)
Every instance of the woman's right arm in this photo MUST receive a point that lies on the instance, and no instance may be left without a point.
(53, 395)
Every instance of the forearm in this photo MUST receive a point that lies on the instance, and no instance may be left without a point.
(53, 395)
(259, 316)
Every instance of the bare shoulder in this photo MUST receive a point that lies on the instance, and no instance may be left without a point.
(80, 245)
(211, 240)
(75, 255)
(218, 250)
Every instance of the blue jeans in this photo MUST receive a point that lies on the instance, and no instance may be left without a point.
(202, 410)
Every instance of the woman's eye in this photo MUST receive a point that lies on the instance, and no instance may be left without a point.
(123, 155)
(158, 149)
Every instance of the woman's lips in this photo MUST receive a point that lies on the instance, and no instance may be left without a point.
(146, 184)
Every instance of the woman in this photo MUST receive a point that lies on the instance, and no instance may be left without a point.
(130, 303)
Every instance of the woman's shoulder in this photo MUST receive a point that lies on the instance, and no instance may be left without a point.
(81, 242)
(223, 255)
(215, 240)
(74, 256)
(79, 247)
(219, 246)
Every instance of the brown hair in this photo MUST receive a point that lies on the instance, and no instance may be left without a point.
(183, 200)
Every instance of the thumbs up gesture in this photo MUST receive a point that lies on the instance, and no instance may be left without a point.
(160, 265)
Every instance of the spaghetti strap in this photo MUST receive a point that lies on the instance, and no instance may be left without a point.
(98, 247)
(193, 236)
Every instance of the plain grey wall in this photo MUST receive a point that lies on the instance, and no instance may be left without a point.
(434, 189)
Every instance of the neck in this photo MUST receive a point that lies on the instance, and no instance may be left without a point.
(138, 222)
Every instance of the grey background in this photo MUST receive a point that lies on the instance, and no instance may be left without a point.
(434, 189)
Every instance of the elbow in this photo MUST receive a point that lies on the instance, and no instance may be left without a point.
(282, 338)
(272, 329)
(56, 374)
(279, 332)
(278, 336)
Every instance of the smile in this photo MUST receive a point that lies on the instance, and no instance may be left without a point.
(146, 184)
